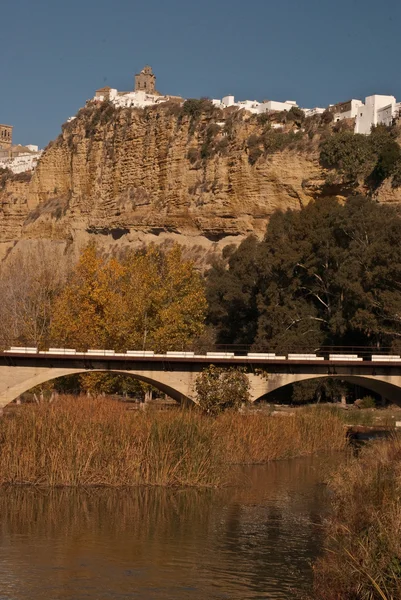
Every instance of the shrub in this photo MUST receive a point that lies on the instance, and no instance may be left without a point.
(368, 402)
(254, 153)
(396, 181)
(296, 114)
(388, 162)
(222, 146)
(218, 389)
(194, 108)
(193, 155)
(263, 119)
(5, 175)
(351, 154)
(254, 150)
(207, 149)
(327, 117)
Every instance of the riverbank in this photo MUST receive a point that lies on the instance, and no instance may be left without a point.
(97, 442)
(362, 559)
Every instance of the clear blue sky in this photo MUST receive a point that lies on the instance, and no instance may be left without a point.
(55, 53)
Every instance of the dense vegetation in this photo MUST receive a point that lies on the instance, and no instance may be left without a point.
(353, 161)
(218, 389)
(144, 299)
(364, 158)
(329, 274)
(363, 536)
(81, 441)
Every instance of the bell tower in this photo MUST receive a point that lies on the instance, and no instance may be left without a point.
(6, 137)
(145, 81)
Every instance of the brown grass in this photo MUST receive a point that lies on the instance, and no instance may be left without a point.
(363, 556)
(80, 441)
(258, 438)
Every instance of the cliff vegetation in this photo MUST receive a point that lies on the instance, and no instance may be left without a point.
(196, 173)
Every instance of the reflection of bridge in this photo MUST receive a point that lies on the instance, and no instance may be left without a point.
(175, 372)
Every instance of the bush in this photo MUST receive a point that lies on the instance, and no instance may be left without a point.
(5, 175)
(327, 117)
(194, 108)
(254, 153)
(373, 157)
(218, 389)
(193, 155)
(368, 402)
(351, 154)
(297, 115)
(222, 146)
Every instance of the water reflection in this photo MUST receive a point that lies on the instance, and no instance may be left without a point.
(247, 542)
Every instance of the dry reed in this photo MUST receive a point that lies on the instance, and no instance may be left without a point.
(363, 556)
(259, 438)
(80, 441)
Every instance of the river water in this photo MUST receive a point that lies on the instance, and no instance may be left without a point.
(252, 541)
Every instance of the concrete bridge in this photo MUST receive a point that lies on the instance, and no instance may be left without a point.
(175, 372)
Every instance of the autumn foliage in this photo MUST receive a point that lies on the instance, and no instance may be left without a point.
(148, 299)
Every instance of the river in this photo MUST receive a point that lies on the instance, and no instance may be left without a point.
(251, 541)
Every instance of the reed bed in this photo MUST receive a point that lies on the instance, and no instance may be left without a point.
(80, 441)
(97, 442)
(362, 560)
(258, 438)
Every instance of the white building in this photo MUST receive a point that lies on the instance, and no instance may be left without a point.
(254, 106)
(376, 110)
(310, 112)
(22, 162)
(345, 110)
(273, 106)
(138, 99)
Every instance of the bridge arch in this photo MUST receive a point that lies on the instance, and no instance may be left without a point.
(27, 378)
(387, 386)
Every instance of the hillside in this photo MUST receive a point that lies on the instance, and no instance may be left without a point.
(194, 173)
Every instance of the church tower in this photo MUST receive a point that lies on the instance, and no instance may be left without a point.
(145, 81)
(6, 137)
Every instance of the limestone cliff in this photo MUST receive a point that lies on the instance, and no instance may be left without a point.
(133, 176)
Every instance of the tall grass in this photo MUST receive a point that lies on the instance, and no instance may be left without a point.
(257, 438)
(363, 556)
(80, 441)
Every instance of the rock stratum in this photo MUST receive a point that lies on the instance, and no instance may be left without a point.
(132, 176)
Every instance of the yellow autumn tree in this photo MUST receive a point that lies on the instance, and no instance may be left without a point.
(149, 299)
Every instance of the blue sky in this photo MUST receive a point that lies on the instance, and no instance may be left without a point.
(55, 53)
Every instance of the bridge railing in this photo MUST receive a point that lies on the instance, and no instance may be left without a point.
(330, 353)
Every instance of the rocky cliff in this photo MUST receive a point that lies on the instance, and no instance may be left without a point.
(127, 176)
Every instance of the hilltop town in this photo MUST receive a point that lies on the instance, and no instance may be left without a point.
(16, 158)
(376, 109)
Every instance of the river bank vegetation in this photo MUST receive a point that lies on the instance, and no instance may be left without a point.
(95, 441)
(362, 560)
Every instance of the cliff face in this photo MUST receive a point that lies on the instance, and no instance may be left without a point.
(132, 176)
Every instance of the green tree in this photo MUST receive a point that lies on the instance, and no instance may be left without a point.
(232, 294)
(219, 389)
(350, 154)
(329, 274)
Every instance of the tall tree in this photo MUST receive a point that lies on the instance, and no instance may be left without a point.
(149, 299)
(232, 294)
(328, 274)
(30, 280)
